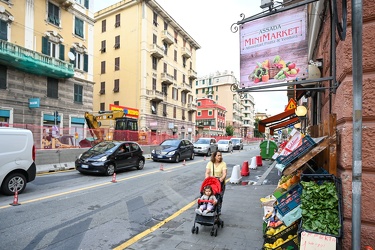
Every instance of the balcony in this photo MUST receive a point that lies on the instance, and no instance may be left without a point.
(185, 87)
(192, 74)
(166, 78)
(155, 95)
(65, 3)
(156, 51)
(34, 62)
(185, 52)
(192, 107)
(167, 37)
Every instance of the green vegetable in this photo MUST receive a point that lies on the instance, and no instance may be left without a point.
(276, 59)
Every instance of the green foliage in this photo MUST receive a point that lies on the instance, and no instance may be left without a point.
(229, 130)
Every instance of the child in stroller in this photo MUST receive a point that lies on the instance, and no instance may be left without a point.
(211, 217)
(207, 201)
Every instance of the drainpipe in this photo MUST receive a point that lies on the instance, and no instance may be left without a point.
(357, 19)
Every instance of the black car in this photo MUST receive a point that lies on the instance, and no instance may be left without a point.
(110, 156)
(173, 150)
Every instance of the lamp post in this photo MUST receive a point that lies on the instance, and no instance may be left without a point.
(301, 112)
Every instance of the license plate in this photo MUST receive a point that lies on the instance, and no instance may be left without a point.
(84, 166)
(159, 156)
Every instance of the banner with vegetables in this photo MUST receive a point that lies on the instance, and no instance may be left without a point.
(274, 49)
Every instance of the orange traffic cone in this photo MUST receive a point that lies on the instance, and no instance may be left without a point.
(15, 199)
(184, 163)
(161, 167)
(114, 178)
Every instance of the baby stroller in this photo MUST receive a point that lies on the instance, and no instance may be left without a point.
(212, 218)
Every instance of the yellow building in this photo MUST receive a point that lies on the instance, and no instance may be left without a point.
(46, 64)
(144, 60)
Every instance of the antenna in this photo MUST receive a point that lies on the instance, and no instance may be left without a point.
(71, 56)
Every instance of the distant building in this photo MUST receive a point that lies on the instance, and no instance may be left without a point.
(240, 112)
(145, 61)
(210, 118)
(46, 64)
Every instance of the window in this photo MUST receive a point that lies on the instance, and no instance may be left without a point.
(199, 113)
(102, 49)
(183, 78)
(102, 67)
(3, 77)
(184, 62)
(104, 26)
(165, 109)
(3, 30)
(154, 107)
(78, 93)
(183, 115)
(84, 3)
(53, 14)
(183, 97)
(175, 55)
(202, 90)
(165, 25)
(155, 19)
(175, 93)
(190, 116)
(81, 59)
(210, 112)
(154, 39)
(153, 83)
(154, 63)
(164, 89)
(174, 112)
(116, 87)
(53, 48)
(175, 74)
(191, 65)
(52, 87)
(117, 22)
(102, 106)
(116, 103)
(165, 45)
(165, 69)
(117, 63)
(175, 36)
(117, 42)
(196, 91)
(78, 27)
(102, 88)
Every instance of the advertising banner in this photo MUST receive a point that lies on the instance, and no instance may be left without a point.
(273, 49)
(129, 112)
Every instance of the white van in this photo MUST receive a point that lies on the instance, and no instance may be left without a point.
(17, 159)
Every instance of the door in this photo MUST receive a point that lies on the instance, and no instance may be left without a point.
(123, 157)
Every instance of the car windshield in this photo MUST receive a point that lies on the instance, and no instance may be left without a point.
(103, 147)
(171, 143)
(222, 142)
(235, 140)
(203, 141)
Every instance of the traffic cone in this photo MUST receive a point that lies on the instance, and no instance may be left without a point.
(184, 163)
(245, 169)
(259, 160)
(15, 199)
(235, 177)
(204, 157)
(253, 164)
(161, 167)
(114, 178)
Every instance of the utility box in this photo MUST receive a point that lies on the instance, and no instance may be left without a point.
(267, 149)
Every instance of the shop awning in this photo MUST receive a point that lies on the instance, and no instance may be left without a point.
(278, 121)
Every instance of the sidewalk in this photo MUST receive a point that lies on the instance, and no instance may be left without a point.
(242, 215)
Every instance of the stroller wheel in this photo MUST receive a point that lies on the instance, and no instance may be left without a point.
(212, 232)
(193, 230)
(196, 230)
(215, 232)
(222, 224)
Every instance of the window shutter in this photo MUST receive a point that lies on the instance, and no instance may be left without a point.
(45, 48)
(3, 31)
(62, 52)
(85, 62)
(86, 4)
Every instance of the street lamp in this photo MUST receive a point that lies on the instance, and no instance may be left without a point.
(301, 112)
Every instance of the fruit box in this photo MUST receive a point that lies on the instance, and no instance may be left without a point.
(291, 230)
(291, 217)
(290, 244)
(289, 200)
(307, 143)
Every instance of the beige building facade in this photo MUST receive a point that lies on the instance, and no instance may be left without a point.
(46, 64)
(239, 109)
(145, 61)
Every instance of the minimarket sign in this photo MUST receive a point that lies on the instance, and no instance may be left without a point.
(273, 49)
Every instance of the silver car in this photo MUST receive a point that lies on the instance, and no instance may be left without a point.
(205, 146)
(225, 145)
(237, 143)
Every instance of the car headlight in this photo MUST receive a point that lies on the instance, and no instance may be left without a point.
(79, 157)
(153, 151)
(171, 152)
(104, 158)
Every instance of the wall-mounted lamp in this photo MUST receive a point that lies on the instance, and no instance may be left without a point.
(301, 111)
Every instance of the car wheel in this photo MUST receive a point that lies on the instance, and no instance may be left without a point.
(177, 159)
(110, 169)
(12, 182)
(140, 164)
(192, 156)
(209, 152)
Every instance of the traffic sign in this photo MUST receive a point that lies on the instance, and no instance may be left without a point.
(291, 105)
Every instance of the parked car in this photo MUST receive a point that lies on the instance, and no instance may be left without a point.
(17, 159)
(173, 150)
(237, 143)
(110, 156)
(205, 146)
(225, 145)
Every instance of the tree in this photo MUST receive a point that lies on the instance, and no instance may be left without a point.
(229, 130)
(257, 134)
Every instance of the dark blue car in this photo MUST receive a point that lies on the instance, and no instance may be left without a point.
(173, 150)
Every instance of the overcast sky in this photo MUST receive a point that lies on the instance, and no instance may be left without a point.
(209, 22)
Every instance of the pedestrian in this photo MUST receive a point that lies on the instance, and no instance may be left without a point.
(207, 206)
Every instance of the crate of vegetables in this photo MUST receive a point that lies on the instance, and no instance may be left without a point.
(307, 144)
(289, 200)
(321, 203)
(291, 242)
(282, 231)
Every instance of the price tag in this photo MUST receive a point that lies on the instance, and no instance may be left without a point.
(311, 241)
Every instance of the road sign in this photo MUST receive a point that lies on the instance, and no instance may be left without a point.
(291, 105)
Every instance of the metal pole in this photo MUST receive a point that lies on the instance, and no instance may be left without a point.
(357, 19)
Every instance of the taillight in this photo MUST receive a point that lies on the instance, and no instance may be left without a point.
(33, 153)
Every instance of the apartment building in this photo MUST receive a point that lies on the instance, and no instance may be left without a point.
(210, 118)
(145, 62)
(239, 109)
(46, 63)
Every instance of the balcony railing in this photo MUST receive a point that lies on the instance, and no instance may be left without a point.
(192, 107)
(192, 74)
(157, 50)
(34, 62)
(156, 95)
(167, 78)
(185, 52)
(167, 37)
(185, 87)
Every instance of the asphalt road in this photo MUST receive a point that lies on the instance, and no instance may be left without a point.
(68, 210)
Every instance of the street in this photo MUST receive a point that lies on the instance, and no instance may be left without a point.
(68, 210)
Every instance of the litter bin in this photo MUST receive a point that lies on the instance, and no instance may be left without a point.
(267, 149)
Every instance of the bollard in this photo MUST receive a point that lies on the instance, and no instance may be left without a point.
(253, 164)
(259, 161)
(236, 176)
(245, 169)
(15, 199)
(114, 178)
